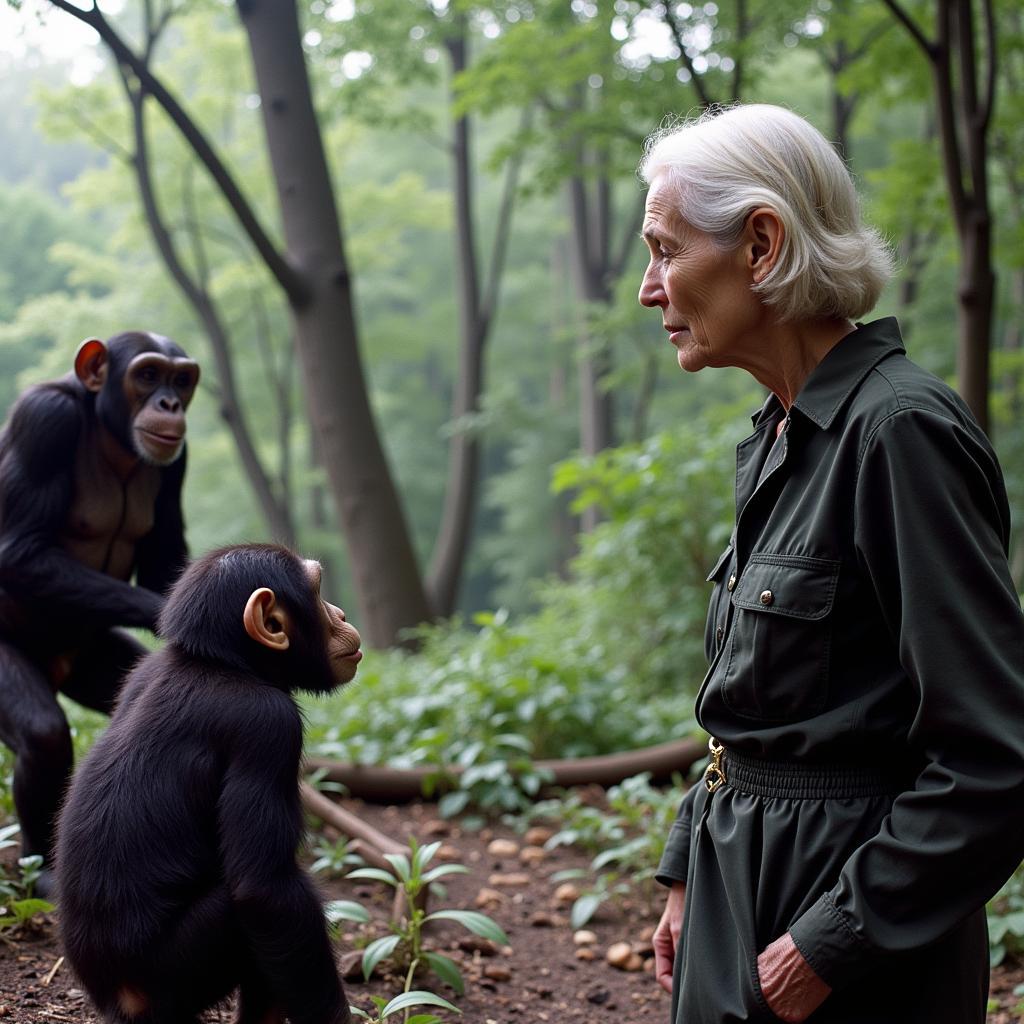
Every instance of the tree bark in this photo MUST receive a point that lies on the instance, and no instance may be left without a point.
(388, 581)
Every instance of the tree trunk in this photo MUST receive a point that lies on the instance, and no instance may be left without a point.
(976, 294)
(390, 589)
(456, 524)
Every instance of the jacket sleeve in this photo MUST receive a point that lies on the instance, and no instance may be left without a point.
(932, 526)
(676, 856)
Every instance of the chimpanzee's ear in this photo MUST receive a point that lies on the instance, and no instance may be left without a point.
(91, 364)
(265, 620)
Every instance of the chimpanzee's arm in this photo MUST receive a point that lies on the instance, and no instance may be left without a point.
(161, 554)
(259, 826)
(36, 488)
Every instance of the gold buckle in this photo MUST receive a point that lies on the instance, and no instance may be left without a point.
(714, 774)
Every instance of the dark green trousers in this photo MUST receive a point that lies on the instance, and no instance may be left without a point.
(764, 847)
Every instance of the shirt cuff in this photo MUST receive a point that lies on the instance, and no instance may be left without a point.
(830, 944)
(676, 858)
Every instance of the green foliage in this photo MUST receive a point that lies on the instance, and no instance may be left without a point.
(409, 875)
(334, 859)
(628, 837)
(18, 906)
(1006, 919)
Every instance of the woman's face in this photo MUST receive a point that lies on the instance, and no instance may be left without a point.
(703, 292)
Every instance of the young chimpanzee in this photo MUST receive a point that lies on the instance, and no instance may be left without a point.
(91, 468)
(176, 850)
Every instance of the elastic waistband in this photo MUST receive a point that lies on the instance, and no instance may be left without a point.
(801, 780)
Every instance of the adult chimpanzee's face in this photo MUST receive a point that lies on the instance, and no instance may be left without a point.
(143, 384)
(341, 639)
(158, 389)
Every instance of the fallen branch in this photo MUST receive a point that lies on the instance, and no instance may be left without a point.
(381, 784)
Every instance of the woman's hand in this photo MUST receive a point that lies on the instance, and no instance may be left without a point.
(788, 983)
(666, 935)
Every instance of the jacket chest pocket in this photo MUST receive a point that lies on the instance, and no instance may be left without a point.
(778, 658)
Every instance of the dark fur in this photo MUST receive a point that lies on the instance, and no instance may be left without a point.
(176, 852)
(49, 602)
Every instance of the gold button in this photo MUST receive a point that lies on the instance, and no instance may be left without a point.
(766, 597)
(732, 583)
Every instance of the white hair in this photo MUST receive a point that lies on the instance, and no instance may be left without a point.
(726, 163)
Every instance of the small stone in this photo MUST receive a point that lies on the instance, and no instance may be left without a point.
(5, 1010)
(537, 836)
(448, 852)
(474, 855)
(567, 893)
(542, 919)
(502, 848)
(584, 938)
(532, 854)
(618, 954)
(489, 898)
(643, 948)
(510, 880)
(649, 965)
(497, 972)
(598, 996)
(585, 953)
(477, 944)
(436, 827)
(647, 934)
(634, 963)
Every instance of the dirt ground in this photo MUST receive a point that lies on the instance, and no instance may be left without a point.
(540, 977)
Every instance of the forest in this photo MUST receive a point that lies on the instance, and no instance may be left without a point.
(412, 291)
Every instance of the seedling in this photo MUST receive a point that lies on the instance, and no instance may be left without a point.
(410, 877)
(404, 1001)
(18, 907)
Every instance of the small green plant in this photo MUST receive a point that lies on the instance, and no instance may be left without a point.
(18, 906)
(1006, 919)
(386, 1008)
(334, 859)
(606, 886)
(405, 943)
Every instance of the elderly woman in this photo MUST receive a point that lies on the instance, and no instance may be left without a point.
(866, 644)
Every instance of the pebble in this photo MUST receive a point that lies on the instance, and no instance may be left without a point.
(567, 893)
(476, 944)
(497, 972)
(532, 854)
(647, 934)
(585, 953)
(502, 848)
(489, 898)
(436, 827)
(538, 835)
(542, 919)
(510, 880)
(618, 954)
(584, 938)
(448, 852)
(350, 965)
(598, 996)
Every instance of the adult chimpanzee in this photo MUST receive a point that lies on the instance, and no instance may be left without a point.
(176, 850)
(91, 468)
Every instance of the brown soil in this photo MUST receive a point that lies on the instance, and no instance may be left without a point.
(537, 978)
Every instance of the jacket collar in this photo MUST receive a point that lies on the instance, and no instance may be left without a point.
(840, 373)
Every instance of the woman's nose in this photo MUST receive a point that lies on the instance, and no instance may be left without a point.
(651, 292)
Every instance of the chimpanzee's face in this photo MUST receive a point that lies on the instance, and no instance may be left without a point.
(341, 639)
(157, 389)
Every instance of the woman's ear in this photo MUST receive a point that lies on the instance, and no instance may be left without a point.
(763, 237)
(265, 620)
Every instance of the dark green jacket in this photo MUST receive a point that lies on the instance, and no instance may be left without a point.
(864, 613)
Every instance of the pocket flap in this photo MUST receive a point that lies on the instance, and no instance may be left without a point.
(793, 585)
(720, 564)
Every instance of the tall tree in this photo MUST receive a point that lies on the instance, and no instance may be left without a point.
(314, 277)
(965, 94)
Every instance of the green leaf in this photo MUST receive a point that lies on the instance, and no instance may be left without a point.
(423, 856)
(346, 910)
(358, 1012)
(453, 803)
(445, 869)
(416, 998)
(424, 1018)
(447, 970)
(400, 863)
(379, 949)
(479, 924)
(583, 909)
(377, 874)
